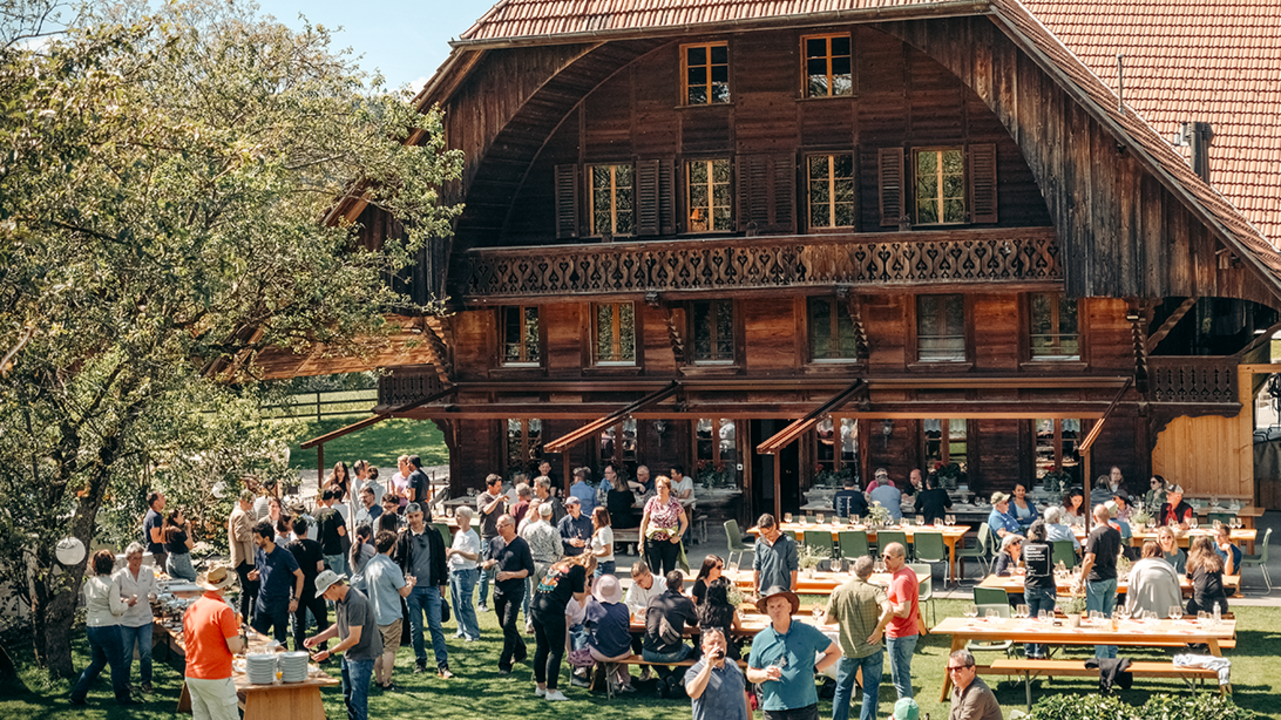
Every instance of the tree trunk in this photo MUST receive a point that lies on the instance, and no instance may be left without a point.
(53, 608)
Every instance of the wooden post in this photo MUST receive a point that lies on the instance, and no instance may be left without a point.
(1085, 475)
(778, 489)
(564, 456)
(320, 465)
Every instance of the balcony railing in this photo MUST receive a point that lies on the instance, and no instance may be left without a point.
(1025, 255)
(1193, 379)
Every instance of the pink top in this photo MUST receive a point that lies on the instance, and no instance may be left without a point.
(666, 516)
(400, 483)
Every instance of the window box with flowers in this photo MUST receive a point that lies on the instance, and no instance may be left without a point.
(950, 475)
(711, 474)
(826, 477)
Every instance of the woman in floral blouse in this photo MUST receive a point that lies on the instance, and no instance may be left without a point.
(662, 527)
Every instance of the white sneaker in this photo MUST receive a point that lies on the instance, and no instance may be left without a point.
(555, 695)
(646, 674)
(539, 692)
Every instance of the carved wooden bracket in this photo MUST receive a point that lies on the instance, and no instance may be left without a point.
(437, 332)
(654, 300)
(862, 347)
(1140, 350)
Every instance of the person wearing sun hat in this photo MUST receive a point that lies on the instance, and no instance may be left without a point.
(783, 658)
(360, 641)
(609, 622)
(211, 636)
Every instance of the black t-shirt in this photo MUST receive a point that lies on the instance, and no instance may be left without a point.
(1105, 543)
(849, 502)
(307, 552)
(1038, 562)
(933, 504)
(511, 557)
(557, 588)
(1207, 589)
(175, 541)
(421, 485)
(619, 504)
(699, 591)
(153, 520)
(665, 620)
(328, 523)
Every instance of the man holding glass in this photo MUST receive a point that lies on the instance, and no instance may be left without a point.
(783, 659)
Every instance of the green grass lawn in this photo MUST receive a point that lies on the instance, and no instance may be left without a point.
(380, 443)
(479, 692)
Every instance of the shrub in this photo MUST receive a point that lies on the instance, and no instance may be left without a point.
(1163, 706)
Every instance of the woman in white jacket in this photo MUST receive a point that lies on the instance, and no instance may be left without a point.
(1154, 586)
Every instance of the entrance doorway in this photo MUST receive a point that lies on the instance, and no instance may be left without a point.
(788, 461)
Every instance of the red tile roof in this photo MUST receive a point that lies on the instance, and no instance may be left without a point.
(1187, 60)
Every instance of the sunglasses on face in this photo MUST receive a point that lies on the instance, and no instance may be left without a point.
(954, 668)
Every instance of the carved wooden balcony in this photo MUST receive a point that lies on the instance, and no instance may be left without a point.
(961, 257)
(1193, 379)
(407, 384)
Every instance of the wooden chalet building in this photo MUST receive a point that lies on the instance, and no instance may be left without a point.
(928, 229)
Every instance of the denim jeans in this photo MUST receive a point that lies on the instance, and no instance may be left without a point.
(425, 600)
(179, 566)
(462, 583)
(274, 616)
(1037, 600)
(355, 687)
(674, 656)
(106, 647)
(846, 669)
(1101, 595)
(142, 637)
(486, 577)
(508, 608)
(337, 563)
(900, 651)
(605, 568)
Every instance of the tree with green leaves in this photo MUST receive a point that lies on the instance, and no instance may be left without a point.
(164, 181)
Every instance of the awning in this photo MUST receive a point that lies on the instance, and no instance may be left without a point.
(564, 442)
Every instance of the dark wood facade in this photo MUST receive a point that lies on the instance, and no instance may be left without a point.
(1061, 211)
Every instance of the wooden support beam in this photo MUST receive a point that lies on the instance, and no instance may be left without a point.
(1084, 449)
(1166, 327)
(1259, 340)
(784, 437)
(564, 442)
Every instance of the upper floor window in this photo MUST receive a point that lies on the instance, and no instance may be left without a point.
(1054, 327)
(708, 195)
(613, 200)
(519, 335)
(940, 328)
(706, 73)
(831, 331)
(828, 66)
(940, 186)
(524, 444)
(831, 190)
(615, 333)
(713, 331)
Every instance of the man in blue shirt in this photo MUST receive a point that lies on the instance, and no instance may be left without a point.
(575, 528)
(716, 688)
(783, 659)
(585, 493)
(1000, 521)
(280, 582)
(776, 560)
(888, 496)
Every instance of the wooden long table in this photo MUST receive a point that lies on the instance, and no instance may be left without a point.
(1183, 538)
(817, 583)
(280, 701)
(952, 534)
(1063, 585)
(1128, 633)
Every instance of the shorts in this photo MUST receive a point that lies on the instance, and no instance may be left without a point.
(391, 636)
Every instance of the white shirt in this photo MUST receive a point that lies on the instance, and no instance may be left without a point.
(638, 598)
(686, 483)
(468, 542)
(603, 539)
(144, 587)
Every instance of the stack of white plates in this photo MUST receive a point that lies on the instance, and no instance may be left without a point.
(293, 666)
(261, 669)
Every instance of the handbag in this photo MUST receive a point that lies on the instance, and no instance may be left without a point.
(444, 610)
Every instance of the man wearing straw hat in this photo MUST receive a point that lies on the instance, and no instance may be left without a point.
(211, 635)
(783, 659)
(361, 643)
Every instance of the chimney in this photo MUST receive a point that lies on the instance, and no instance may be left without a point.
(1197, 136)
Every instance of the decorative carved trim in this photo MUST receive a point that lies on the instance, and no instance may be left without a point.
(407, 384)
(1193, 380)
(862, 347)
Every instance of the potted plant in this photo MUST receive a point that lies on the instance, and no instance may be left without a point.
(950, 475)
(1073, 607)
(1056, 480)
(808, 559)
(712, 475)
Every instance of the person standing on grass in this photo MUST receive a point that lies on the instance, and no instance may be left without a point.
(717, 689)
(565, 580)
(211, 637)
(508, 557)
(904, 628)
(546, 549)
(972, 699)
(280, 583)
(418, 485)
(776, 560)
(463, 571)
(387, 588)
(783, 661)
(178, 544)
(104, 606)
(369, 509)
(331, 529)
(153, 529)
(663, 523)
(1098, 570)
(1039, 589)
(489, 507)
(400, 481)
(311, 561)
(862, 611)
(240, 539)
(420, 551)
(137, 581)
(359, 641)
(575, 528)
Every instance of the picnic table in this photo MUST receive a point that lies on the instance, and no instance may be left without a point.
(1182, 537)
(1063, 584)
(1133, 633)
(815, 583)
(952, 534)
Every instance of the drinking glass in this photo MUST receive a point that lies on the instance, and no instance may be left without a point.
(818, 614)
(787, 517)
(1023, 612)
(991, 615)
(1192, 522)
(1176, 612)
(820, 518)
(879, 567)
(920, 520)
(1045, 615)
(854, 519)
(1202, 616)
(836, 565)
(732, 566)
(971, 611)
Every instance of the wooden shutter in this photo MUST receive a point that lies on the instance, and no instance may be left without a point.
(767, 193)
(654, 207)
(982, 183)
(890, 172)
(566, 201)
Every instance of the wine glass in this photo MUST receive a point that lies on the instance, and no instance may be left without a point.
(971, 611)
(1202, 616)
(817, 612)
(732, 566)
(787, 517)
(1176, 612)
(879, 567)
(836, 565)
(1045, 615)
(820, 517)
(920, 520)
(991, 615)
(1192, 522)
(854, 519)
(1022, 612)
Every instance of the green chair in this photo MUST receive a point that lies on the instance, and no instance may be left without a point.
(1260, 560)
(1223, 518)
(929, 548)
(820, 540)
(925, 571)
(1064, 552)
(981, 552)
(790, 533)
(734, 542)
(446, 533)
(1002, 610)
(991, 596)
(854, 544)
(885, 537)
(809, 519)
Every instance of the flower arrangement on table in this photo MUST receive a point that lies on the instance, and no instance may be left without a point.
(1140, 517)
(734, 596)
(712, 474)
(809, 557)
(1056, 481)
(1073, 604)
(825, 476)
(949, 474)
(878, 514)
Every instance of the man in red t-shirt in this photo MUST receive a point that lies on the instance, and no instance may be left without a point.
(903, 630)
(211, 636)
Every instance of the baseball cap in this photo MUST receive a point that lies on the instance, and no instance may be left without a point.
(998, 497)
(906, 709)
(571, 500)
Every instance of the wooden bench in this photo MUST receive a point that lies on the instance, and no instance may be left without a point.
(1076, 668)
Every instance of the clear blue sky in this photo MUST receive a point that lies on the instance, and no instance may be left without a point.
(406, 41)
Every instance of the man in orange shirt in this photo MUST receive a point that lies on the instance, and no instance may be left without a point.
(211, 635)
